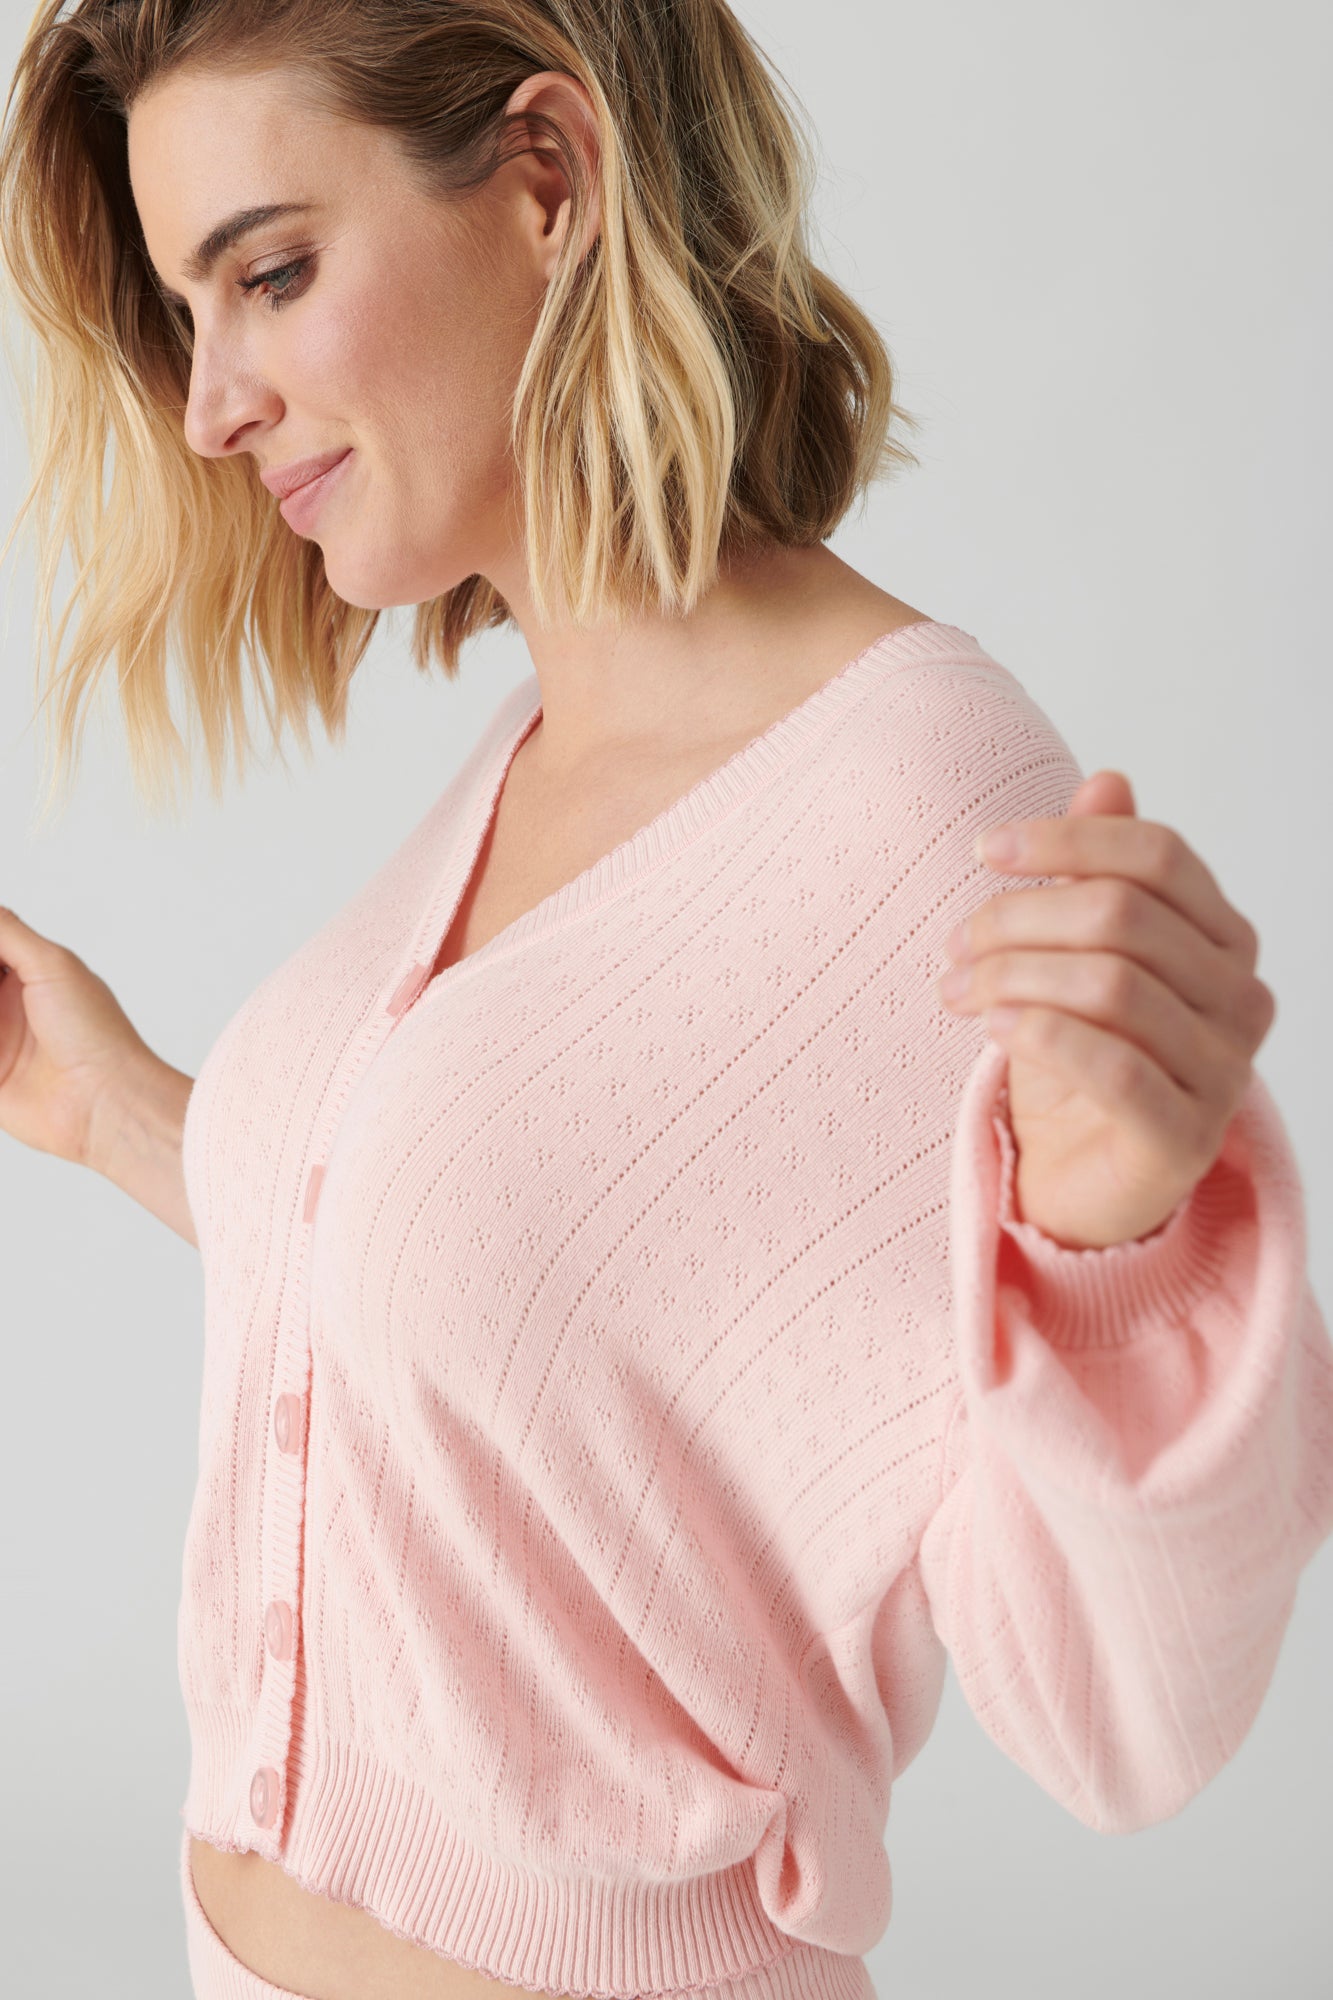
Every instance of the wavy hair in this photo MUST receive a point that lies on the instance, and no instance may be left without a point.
(716, 391)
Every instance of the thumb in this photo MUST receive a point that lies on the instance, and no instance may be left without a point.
(22, 949)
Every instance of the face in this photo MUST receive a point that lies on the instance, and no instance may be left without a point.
(386, 322)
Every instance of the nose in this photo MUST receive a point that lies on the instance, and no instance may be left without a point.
(228, 402)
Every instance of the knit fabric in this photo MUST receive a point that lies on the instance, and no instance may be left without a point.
(626, 1385)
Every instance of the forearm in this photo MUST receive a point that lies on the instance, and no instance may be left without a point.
(135, 1139)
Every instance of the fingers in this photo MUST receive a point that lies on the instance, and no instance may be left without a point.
(1113, 914)
(1115, 994)
(1139, 851)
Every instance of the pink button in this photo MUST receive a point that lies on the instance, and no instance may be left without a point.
(408, 988)
(264, 1796)
(278, 1630)
(287, 1418)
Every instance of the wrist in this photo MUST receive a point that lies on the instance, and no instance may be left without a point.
(138, 1111)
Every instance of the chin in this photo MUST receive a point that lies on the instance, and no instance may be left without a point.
(360, 600)
(362, 592)
(361, 587)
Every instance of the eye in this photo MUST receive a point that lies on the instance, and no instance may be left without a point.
(285, 276)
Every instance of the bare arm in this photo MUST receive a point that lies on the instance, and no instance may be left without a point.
(134, 1138)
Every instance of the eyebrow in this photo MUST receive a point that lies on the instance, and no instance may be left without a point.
(227, 235)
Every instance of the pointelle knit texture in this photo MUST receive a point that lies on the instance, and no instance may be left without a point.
(626, 1385)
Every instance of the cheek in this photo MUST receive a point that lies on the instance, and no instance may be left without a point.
(422, 377)
(333, 358)
(442, 389)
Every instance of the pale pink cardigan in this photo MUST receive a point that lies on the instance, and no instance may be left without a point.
(625, 1382)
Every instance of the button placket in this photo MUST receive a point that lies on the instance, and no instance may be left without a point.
(283, 1510)
(285, 1494)
(283, 1513)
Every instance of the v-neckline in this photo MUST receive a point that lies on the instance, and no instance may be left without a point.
(734, 781)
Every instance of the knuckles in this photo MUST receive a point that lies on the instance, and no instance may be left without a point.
(1119, 985)
(1116, 908)
(1163, 850)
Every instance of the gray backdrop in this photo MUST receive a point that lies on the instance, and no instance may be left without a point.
(1097, 238)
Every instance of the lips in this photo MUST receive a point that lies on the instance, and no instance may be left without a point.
(288, 479)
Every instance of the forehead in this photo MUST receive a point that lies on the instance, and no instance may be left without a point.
(192, 123)
(202, 147)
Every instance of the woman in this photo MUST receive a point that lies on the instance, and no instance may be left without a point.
(646, 1326)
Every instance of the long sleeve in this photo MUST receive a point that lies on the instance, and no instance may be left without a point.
(1138, 1467)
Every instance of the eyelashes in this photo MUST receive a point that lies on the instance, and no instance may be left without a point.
(291, 280)
(293, 273)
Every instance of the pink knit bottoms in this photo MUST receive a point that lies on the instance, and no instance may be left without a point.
(215, 1972)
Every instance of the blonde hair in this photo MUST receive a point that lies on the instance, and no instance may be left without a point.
(717, 391)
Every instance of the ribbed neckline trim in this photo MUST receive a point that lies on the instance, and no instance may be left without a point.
(716, 794)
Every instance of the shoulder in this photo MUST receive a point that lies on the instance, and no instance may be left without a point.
(944, 740)
(964, 715)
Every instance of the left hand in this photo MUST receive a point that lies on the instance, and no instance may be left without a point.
(1139, 1015)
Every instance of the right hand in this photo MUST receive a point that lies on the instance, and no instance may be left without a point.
(64, 1039)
